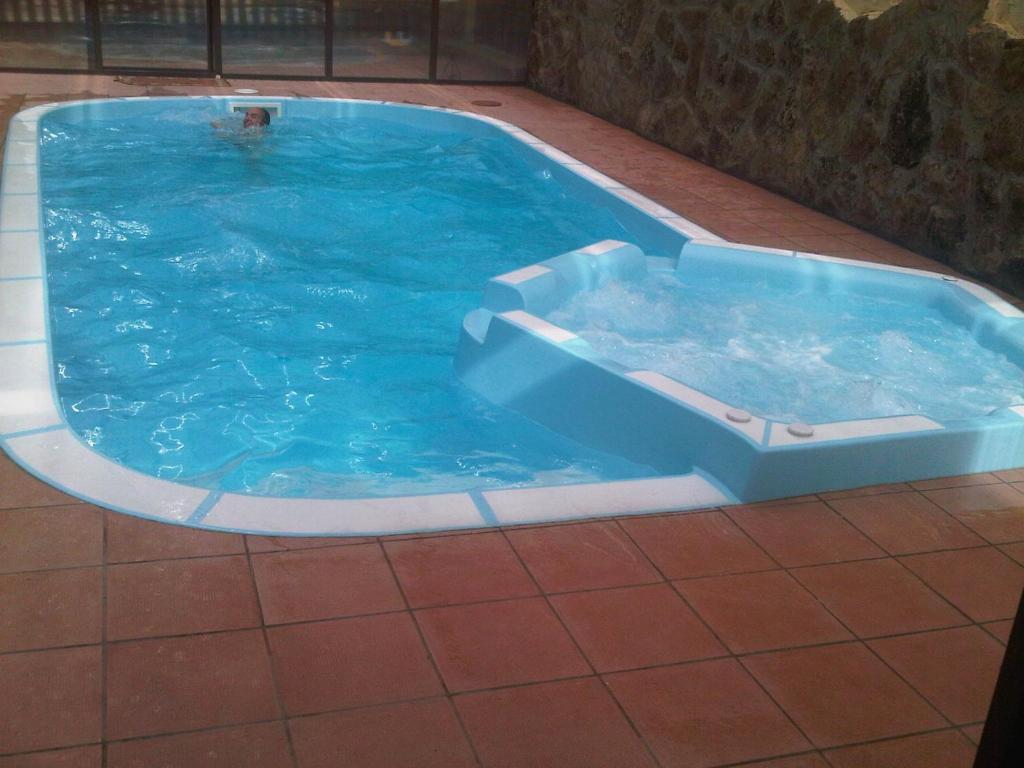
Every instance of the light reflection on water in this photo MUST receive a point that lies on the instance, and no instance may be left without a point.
(278, 314)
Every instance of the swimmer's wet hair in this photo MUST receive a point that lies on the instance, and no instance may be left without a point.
(266, 116)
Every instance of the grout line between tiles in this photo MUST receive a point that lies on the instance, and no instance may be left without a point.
(274, 677)
(558, 617)
(103, 647)
(447, 694)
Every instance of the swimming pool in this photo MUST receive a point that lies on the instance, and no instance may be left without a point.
(419, 452)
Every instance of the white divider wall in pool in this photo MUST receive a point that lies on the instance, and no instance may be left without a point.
(34, 431)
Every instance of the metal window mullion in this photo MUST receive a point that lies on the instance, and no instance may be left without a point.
(328, 38)
(214, 58)
(95, 47)
(435, 23)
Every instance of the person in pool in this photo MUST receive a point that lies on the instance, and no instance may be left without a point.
(256, 118)
(254, 121)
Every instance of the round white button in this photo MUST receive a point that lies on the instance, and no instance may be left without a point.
(738, 415)
(799, 429)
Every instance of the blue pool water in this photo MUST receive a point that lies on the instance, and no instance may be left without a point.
(278, 315)
(796, 356)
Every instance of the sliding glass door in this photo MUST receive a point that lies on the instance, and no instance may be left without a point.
(49, 34)
(154, 34)
(273, 37)
(483, 39)
(418, 40)
(382, 38)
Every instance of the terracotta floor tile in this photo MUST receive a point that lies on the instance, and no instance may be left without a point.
(840, 694)
(1010, 475)
(1016, 551)
(486, 645)
(993, 511)
(45, 609)
(703, 714)
(944, 749)
(955, 669)
(177, 597)
(635, 627)
(50, 537)
(983, 583)
(878, 597)
(263, 745)
(587, 556)
(351, 662)
(1000, 630)
(567, 723)
(415, 734)
(829, 245)
(771, 240)
(696, 544)
(764, 215)
(433, 534)
(76, 757)
(955, 481)
(325, 583)
(738, 231)
(809, 760)
(279, 543)
(788, 229)
(868, 490)
(761, 611)
(458, 569)
(973, 733)
(784, 502)
(905, 523)
(131, 539)
(185, 683)
(50, 699)
(23, 490)
(803, 534)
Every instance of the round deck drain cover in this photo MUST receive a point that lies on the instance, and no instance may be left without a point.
(799, 429)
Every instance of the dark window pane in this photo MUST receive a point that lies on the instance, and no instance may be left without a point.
(382, 38)
(44, 33)
(273, 37)
(483, 39)
(167, 34)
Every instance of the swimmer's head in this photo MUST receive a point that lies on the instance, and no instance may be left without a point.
(256, 117)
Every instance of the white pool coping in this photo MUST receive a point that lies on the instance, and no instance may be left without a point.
(36, 434)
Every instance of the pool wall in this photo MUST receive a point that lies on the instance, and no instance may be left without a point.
(520, 361)
(35, 433)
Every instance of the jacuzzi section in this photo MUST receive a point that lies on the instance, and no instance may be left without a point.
(515, 358)
(35, 433)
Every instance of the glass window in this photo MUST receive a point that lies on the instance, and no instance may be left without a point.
(483, 39)
(382, 38)
(44, 33)
(167, 34)
(272, 37)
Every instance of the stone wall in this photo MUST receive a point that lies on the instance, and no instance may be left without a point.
(904, 117)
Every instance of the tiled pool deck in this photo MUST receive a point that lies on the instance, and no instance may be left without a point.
(862, 628)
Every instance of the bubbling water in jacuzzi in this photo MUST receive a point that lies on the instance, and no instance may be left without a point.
(811, 357)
